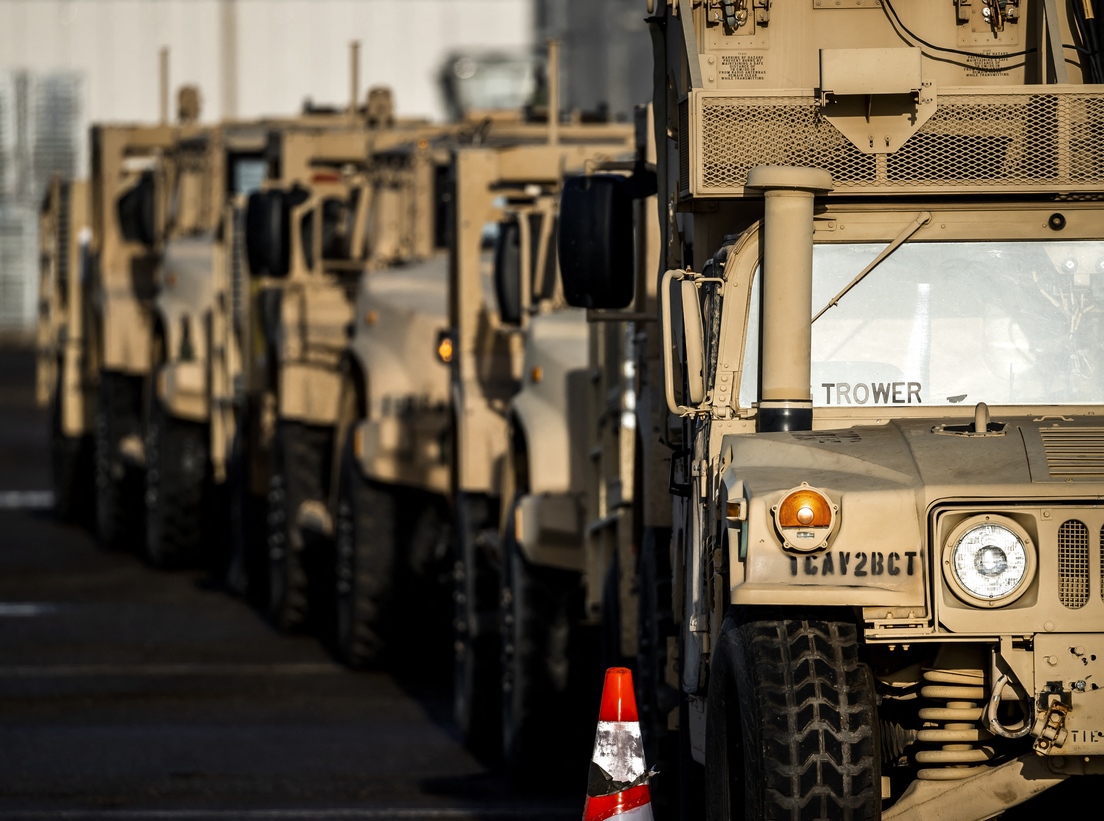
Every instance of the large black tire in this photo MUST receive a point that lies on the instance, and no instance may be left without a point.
(655, 698)
(120, 505)
(424, 581)
(299, 459)
(70, 468)
(792, 723)
(247, 573)
(176, 478)
(477, 678)
(541, 669)
(367, 570)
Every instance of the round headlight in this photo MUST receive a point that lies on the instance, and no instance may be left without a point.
(989, 561)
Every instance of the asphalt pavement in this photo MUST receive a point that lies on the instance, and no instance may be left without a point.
(127, 692)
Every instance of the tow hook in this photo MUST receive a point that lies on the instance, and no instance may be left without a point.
(1050, 728)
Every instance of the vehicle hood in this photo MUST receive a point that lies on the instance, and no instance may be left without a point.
(1025, 457)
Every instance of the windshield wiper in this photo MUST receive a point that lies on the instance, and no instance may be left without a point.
(921, 220)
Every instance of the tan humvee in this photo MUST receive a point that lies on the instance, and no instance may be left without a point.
(886, 548)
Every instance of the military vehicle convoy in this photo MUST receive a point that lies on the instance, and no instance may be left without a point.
(397, 438)
(882, 239)
(822, 452)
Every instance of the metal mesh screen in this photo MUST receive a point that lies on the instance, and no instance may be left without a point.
(980, 142)
(1073, 564)
(739, 134)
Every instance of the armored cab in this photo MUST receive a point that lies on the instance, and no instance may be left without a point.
(517, 362)
(880, 222)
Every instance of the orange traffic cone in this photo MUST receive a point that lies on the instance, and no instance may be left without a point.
(618, 784)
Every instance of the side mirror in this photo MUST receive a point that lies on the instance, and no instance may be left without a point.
(596, 241)
(690, 347)
(138, 211)
(267, 247)
(693, 342)
(507, 272)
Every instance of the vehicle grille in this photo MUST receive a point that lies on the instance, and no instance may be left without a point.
(1073, 564)
(1074, 453)
(1012, 141)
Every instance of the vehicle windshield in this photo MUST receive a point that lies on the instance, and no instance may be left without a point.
(1006, 323)
(492, 82)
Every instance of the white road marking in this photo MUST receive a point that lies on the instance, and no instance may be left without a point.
(25, 609)
(26, 500)
(161, 670)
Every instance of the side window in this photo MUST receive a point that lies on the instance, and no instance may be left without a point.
(247, 173)
(749, 378)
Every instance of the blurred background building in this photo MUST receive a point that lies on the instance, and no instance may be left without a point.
(65, 64)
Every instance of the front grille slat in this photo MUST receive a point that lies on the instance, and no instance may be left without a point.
(1074, 452)
(1073, 564)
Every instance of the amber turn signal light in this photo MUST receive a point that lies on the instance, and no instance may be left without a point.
(805, 519)
(805, 507)
(444, 347)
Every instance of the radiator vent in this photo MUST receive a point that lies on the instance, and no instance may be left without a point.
(1073, 564)
(1074, 453)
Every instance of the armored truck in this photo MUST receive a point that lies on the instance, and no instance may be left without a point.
(517, 382)
(64, 379)
(349, 204)
(881, 252)
(130, 188)
(200, 265)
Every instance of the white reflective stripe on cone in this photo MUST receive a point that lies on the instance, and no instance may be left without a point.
(619, 751)
(637, 813)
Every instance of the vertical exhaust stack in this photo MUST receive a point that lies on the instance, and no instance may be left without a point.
(164, 77)
(354, 78)
(785, 394)
(553, 92)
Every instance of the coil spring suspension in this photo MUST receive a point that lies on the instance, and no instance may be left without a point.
(954, 726)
